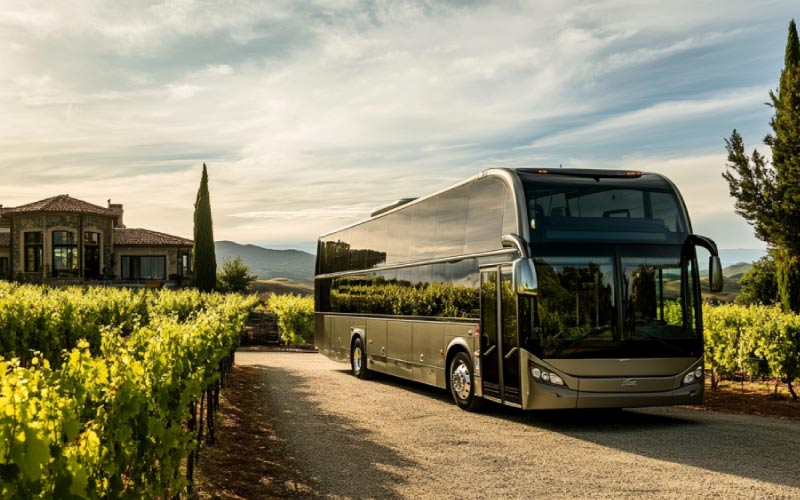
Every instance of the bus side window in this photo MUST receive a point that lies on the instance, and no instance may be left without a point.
(341, 252)
(423, 223)
(378, 238)
(510, 225)
(451, 222)
(399, 230)
(485, 215)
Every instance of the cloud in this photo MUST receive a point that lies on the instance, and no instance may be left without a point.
(661, 114)
(318, 111)
(182, 91)
(327, 212)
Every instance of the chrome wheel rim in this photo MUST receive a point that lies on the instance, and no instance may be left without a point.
(460, 381)
(357, 359)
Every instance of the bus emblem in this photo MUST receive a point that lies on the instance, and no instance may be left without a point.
(629, 383)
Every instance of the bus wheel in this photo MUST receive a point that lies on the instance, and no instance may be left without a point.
(462, 383)
(358, 360)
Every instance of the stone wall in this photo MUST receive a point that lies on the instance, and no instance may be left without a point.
(47, 223)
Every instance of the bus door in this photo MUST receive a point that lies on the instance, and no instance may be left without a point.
(500, 356)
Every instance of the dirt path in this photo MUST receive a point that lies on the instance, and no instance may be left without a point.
(309, 429)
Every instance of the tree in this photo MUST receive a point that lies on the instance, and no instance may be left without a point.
(235, 276)
(759, 284)
(768, 194)
(205, 259)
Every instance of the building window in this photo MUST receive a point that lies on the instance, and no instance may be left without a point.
(3, 267)
(185, 262)
(33, 252)
(91, 239)
(136, 267)
(65, 254)
(91, 255)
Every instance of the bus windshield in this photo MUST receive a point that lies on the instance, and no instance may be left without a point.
(580, 313)
(562, 209)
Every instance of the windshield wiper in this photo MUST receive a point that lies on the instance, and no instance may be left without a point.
(590, 333)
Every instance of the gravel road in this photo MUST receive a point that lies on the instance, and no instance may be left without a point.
(388, 438)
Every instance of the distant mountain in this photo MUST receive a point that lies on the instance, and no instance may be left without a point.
(266, 263)
(737, 270)
(731, 256)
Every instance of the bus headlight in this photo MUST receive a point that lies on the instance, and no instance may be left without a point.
(694, 375)
(548, 377)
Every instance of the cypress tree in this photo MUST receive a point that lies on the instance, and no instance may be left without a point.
(768, 195)
(205, 260)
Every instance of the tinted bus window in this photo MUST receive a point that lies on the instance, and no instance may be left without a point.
(378, 239)
(358, 238)
(664, 205)
(457, 286)
(485, 215)
(341, 252)
(451, 222)
(422, 236)
(510, 225)
(644, 210)
(322, 257)
(399, 236)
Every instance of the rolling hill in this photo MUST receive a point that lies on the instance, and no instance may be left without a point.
(267, 263)
(737, 270)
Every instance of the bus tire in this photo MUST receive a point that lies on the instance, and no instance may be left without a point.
(462, 383)
(358, 360)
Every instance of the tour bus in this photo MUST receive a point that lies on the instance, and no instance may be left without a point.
(532, 288)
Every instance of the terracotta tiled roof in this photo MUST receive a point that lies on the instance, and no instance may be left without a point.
(60, 203)
(5, 240)
(127, 237)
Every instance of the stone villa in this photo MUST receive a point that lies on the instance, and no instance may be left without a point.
(66, 240)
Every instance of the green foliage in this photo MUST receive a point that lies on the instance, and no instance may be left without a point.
(295, 317)
(737, 337)
(759, 284)
(205, 260)
(48, 320)
(235, 276)
(787, 278)
(768, 195)
(110, 424)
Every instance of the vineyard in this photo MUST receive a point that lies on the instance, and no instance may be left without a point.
(108, 393)
(758, 341)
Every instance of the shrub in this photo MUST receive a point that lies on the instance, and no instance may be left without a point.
(235, 276)
(295, 317)
(760, 284)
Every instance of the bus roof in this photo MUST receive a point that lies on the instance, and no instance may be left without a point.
(586, 173)
(583, 172)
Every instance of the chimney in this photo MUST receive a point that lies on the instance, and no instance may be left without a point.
(116, 210)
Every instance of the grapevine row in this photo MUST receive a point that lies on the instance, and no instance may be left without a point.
(119, 422)
(759, 340)
(48, 320)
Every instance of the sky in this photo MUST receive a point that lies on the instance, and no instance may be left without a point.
(309, 114)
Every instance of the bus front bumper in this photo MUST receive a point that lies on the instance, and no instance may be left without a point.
(548, 397)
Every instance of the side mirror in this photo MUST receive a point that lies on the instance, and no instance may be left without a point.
(714, 265)
(514, 241)
(715, 280)
(524, 278)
